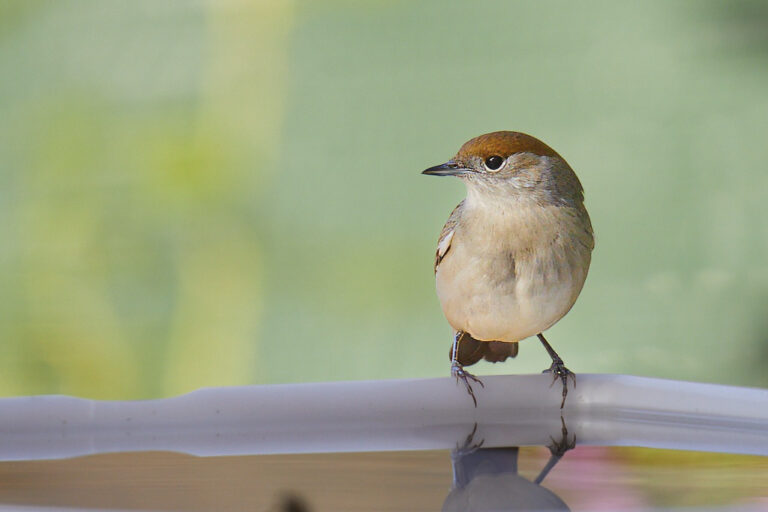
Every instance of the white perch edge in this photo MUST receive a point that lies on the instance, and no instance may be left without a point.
(419, 414)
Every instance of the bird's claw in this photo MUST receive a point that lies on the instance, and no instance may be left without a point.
(469, 445)
(558, 448)
(559, 371)
(460, 373)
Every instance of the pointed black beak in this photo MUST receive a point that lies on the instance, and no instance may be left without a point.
(446, 169)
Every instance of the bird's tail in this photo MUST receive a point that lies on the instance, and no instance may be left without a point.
(472, 350)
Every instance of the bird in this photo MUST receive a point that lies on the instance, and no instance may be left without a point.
(514, 254)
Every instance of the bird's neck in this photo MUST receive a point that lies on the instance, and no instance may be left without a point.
(483, 196)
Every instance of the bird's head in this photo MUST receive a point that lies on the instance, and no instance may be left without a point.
(512, 163)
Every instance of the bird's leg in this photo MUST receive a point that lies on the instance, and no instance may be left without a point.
(461, 459)
(557, 369)
(557, 449)
(458, 371)
(469, 445)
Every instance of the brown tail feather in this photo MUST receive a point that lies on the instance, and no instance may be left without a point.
(472, 350)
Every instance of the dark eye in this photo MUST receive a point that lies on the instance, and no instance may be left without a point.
(493, 163)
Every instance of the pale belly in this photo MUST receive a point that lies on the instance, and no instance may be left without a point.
(491, 298)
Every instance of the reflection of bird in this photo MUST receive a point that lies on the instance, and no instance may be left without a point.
(290, 502)
(486, 479)
(513, 256)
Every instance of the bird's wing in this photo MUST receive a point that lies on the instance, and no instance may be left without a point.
(446, 235)
(472, 350)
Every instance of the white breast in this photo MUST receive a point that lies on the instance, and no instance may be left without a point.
(512, 270)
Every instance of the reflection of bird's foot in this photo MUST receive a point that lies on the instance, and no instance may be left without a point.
(562, 445)
(557, 449)
(460, 373)
(559, 371)
(469, 445)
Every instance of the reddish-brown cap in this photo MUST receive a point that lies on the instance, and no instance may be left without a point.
(504, 144)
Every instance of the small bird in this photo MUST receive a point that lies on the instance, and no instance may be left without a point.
(514, 254)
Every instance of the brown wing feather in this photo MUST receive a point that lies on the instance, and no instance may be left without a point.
(472, 350)
(447, 231)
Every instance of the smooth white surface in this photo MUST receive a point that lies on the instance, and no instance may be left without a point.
(32, 508)
(514, 410)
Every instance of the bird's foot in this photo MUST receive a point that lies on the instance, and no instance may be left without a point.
(562, 445)
(469, 445)
(460, 373)
(559, 371)
(557, 449)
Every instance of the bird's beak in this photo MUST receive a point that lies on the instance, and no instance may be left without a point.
(446, 169)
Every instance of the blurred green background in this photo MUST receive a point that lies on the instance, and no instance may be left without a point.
(223, 193)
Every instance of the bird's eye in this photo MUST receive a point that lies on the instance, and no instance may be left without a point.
(493, 163)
